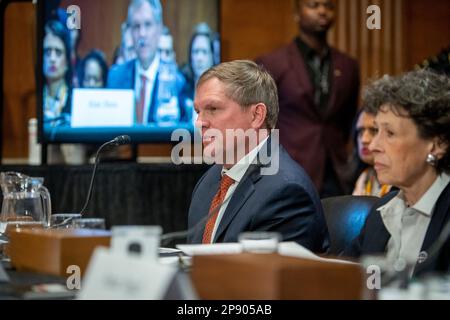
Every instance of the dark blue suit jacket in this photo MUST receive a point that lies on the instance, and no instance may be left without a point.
(374, 236)
(285, 202)
(122, 76)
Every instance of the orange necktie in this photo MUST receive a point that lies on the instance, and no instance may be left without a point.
(214, 209)
(141, 103)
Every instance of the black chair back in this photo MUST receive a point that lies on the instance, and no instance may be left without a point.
(345, 217)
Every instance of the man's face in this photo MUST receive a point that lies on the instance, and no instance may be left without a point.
(165, 48)
(316, 16)
(145, 31)
(217, 113)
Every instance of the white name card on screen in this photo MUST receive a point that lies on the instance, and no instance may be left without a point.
(102, 108)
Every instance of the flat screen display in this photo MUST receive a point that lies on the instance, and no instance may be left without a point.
(114, 67)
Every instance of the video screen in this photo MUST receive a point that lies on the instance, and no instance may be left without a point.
(114, 67)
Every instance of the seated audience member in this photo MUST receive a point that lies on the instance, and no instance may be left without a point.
(57, 74)
(58, 91)
(238, 194)
(165, 46)
(201, 57)
(367, 183)
(411, 152)
(144, 74)
(125, 52)
(93, 70)
(92, 74)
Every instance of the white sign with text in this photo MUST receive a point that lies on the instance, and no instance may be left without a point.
(102, 108)
(114, 276)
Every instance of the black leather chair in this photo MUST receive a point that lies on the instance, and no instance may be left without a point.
(345, 216)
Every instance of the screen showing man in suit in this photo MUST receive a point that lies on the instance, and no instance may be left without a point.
(157, 83)
(236, 194)
(318, 88)
(143, 94)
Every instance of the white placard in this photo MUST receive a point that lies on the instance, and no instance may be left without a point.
(102, 108)
(125, 239)
(114, 276)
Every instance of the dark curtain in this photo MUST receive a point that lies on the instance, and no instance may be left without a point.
(124, 193)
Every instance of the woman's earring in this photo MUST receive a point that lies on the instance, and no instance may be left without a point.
(431, 160)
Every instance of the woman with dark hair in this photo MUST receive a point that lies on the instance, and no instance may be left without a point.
(201, 57)
(57, 73)
(367, 183)
(93, 71)
(411, 151)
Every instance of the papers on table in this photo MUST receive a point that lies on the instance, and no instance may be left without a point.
(216, 248)
(291, 249)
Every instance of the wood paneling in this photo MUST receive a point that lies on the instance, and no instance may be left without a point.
(19, 102)
(427, 29)
(412, 30)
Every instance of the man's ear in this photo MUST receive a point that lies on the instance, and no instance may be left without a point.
(259, 113)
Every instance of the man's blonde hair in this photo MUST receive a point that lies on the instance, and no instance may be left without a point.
(247, 84)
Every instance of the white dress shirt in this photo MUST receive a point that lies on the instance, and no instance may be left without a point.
(236, 172)
(408, 225)
(150, 73)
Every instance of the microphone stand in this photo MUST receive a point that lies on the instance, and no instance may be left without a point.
(120, 140)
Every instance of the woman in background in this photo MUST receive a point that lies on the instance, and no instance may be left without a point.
(201, 57)
(412, 152)
(93, 70)
(367, 183)
(57, 73)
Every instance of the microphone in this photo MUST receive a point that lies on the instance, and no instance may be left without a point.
(117, 141)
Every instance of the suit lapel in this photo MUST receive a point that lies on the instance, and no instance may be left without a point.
(301, 74)
(130, 76)
(299, 67)
(438, 220)
(154, 102)
(336, 73)
(379, 239)
(244, 190)
(377, 242)
(440, 216)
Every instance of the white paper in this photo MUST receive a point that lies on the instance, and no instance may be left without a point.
(293, 249)
(115, 276)
(215, 248)
(290, 249)
(169, 250)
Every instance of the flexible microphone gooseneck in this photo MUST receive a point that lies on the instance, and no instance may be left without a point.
(117, 141)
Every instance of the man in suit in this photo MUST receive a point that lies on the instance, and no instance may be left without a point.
(254, 184)
(144, 73)
(318, 88)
